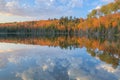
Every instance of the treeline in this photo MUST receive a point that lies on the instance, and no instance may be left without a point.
(64, 25)
(103, 21)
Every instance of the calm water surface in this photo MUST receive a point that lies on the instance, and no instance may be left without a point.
(48, 61)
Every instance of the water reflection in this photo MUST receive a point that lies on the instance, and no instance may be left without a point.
(68, 58)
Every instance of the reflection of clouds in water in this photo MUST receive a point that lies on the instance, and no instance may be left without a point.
(117, 73)
(109, 69)
(77, 74)
(3, 61)
(35, 74)
(8, 50)
(25, 75)
(106, 67)
(43, 63)
(45, 67)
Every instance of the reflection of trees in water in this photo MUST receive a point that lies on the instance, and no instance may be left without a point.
(108, 44)
(105, 56)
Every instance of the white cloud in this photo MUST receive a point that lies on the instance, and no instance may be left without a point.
(41, 8)
(98, 7)
(11, 4)
(7, 17)
(107, 0)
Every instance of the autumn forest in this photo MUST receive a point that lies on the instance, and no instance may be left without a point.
(103, 21)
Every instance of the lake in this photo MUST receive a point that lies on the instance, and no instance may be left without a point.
(59, 58)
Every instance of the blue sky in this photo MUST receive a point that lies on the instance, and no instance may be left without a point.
(25, 10)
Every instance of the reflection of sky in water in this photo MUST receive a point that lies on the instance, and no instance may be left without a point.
(22, 62)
